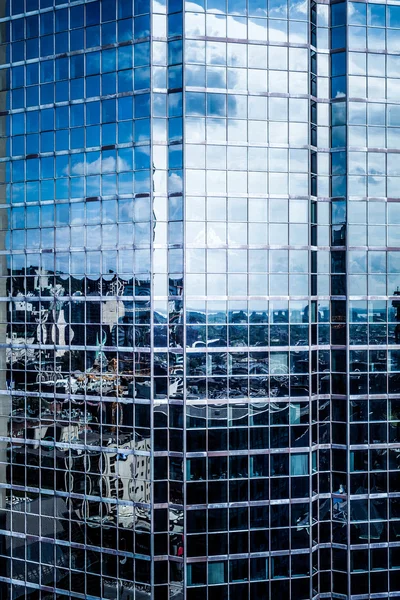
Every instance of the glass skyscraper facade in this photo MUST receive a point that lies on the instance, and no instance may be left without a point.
(199, 299)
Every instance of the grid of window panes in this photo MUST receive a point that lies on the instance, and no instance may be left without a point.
(373, 280)
(168, 386)
(248, 462)
(77, 229)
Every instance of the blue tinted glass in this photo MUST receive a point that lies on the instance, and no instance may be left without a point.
(92, 86)
(18, 123)
(46, 23)
(77, 88)
(141, 7)
(17, 7)
(93, 13)
(18, 145)
(125, 8)
(93, 63)
(277, 8)
(61, 65)
(62, 91)
(125, 108)
(32, 96)
(76, 66)
(142, 105)
(338, 37)
(61, 18)
(32, 48)
(357, 14)
(76, 40)
(61, 42)
(393, 16)
(18, 51)
(338, 62)
(92, 36)
(338, 14)
(32, 26)
(108, 10)
(195, 103)
(18, 30)
(108, 34)
(216, 105)
(32, 121)
(109, 83)
(77, 137)
(377, 15)
(76, 16)
(125, 30)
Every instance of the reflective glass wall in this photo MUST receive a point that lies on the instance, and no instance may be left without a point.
(249, 461)
(78, 227)
(373, 280)
(199, 299)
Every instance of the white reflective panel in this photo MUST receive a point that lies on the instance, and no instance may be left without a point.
(216, 233)
(195, 182)
(195, 24)
(195, 232)
(195, 129)
(236, 55)
(237, 27)
(257, 158)
(216, 130)
(216, 182)
(257, 81)
(278, 82)
(216, 156)
(257, 29)
(215, 25)
(237, 182)
(298, 59)
(195, 156)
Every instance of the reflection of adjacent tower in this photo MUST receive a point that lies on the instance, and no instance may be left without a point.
(396, 305)
(77, 320)
(123, 478)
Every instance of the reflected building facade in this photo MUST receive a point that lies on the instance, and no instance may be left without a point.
(199, 299)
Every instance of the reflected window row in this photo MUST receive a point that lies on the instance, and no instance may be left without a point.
(253, 490)
(107, 212)
(375, 433)
(128, 81)
(242, 55)
(373, 88)
(242, 158)
(373, 114)
(299, 588)
(379, 165)
(46, 119)
(242, 79)
(378, 137)
(79, 187)
(86, 88)
(74, 17)
(274, 8)
(378, 64)
(373, 38)
(91, 237)
(239, 569)
(23, 36)
(80, 65)
(244, 28)
(234, 130)
(242, 107)
(252, 210)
